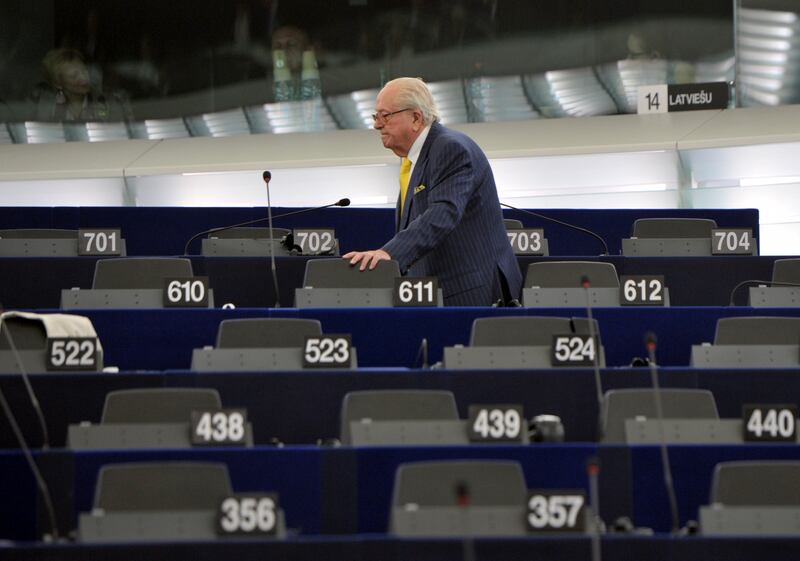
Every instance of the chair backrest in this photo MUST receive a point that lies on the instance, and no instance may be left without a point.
(27, 334)
(396, 405)
(157, 405)
(673, 228)
(265, 332)
(338, 273)
(757, 331)
(438, 484)
(157, 129)
(512, 224)
(161, 486)
(525, 330)
(139, 272)
(229, 122)
(37, 132)
(37, 234)
(96, 131)
(620, 405)
(786, 270)
(756, 483)
(5, 135)
(251, 233)
(308, 115)
(568, 274)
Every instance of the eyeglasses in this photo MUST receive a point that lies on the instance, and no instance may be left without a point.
(384, 117)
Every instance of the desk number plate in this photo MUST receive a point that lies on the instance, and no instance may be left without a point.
(72, 353)
(219, 427)
(573, 350)
(315, 242)
(417, 291)
(186, 292)
(551, 510)
(496, 423)
(765, 422)
(327, 351)
(732, 241)
(526, 241)
(99, 242)
(248, 514)
(642, 290)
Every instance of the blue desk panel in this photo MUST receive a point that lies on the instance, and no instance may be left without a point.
(302, 407)
(165, 230)
(348, 490)
(692, 472)
(391, 337)
(36, 282)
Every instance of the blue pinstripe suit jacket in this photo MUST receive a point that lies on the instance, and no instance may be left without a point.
(452, 226)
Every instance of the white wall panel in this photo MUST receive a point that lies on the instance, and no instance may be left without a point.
(738, 158)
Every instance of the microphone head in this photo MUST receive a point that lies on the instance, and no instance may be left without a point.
(462, 494)
(650, 340)
(343, 202)
(266, 176)
(585, 281)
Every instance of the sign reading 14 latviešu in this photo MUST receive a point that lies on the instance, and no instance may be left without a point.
(683, 97)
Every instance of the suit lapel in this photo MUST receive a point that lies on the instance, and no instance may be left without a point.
(416, 176)
(413, 181)
(397, 212)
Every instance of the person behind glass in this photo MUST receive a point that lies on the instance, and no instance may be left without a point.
(71, 97)
(448, 221)
(296, 76)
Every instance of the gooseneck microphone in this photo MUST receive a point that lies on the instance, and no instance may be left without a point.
(593, 471)
(562, 223)
(341, 202)
(598, 384)
(266, 176)
(463, 499)
(26, 452)
(650, 343)
(422, 353)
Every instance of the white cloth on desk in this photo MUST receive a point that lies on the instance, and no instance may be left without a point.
(59, 325)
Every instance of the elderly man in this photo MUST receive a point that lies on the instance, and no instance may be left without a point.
(449, 223)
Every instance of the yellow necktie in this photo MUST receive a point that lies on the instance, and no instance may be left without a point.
(405, 175)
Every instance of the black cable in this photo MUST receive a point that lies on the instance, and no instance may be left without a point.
(12, 420)
(341, 202)
(566, 224)
(743, 283)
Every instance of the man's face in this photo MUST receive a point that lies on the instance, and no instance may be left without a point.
(398, 131)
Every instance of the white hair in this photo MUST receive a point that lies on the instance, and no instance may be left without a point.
(414, 94)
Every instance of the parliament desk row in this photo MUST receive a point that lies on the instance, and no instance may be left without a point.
(304, 407)
(36, 282)
(348, 490)
(165, 230)
(391, 337)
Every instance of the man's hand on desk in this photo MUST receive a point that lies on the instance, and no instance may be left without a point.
(367, 258)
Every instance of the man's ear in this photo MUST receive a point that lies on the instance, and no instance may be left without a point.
(418, 120)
